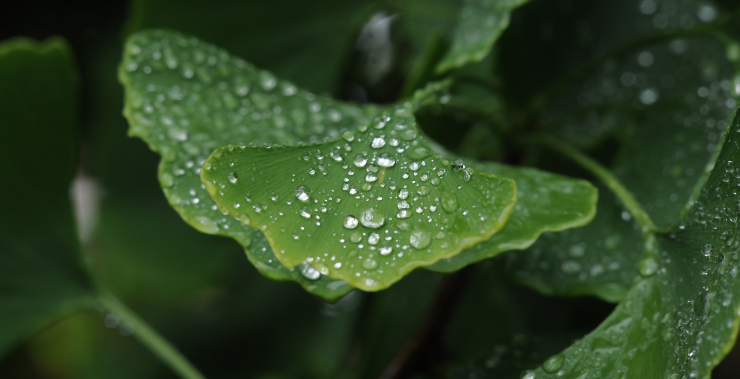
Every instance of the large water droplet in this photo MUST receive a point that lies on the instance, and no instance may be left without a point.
(233, 177)
(386, 160)
(420, 238)
(385, 250)
(377, 142)
(648, 266)
(449, 202)
(369, 264)
(373, 238)
(303, 193)
(403, 193)
(350, 222)
(418, 153)
(372, 218)
(553, 363)
(360, 160)
(309, 271)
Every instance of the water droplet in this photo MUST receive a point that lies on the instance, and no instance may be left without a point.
(373, 238)
(377, 142)
(420, 238)
(355, 237)
(372, 218)
(449, 202)
(385, 250)
(360, 160)
(386, 160)
(418, 153)
(233, 177)
(408, 135)
(305, 213)
(303, 193)
(371, 177)
(648, 266)
(403, 193)
(309, 271)
(423, 190)
(553, 363)
(369, 264)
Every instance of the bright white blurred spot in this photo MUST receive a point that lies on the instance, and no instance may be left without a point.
(86, 195)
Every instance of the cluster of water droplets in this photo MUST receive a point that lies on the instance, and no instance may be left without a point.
(365, 207)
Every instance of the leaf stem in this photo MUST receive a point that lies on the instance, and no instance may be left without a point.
(153, 340)
(624, 195)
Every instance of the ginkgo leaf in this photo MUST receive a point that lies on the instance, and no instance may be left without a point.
(681, 316)
(41, 271)
(545, 202)
(185, 98)
(367, 207)
(480, 24)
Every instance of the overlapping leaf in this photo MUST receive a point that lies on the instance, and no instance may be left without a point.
(667, 102)
(41, 271)
(682, 316)
(367, 208)
(545, 202)
(186, 98)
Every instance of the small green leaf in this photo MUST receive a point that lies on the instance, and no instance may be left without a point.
(545, 202)
(41, 272)
(480, 24)
(682, 315)
(367, 207)
(185, 98)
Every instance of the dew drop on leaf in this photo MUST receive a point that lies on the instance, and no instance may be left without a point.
(303, 193)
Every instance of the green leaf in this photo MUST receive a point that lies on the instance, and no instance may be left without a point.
(307, 43)
(367, 207)
(480, 24)
(41, 272)
(681, 317)
(668, 124)
(600, 258)
(545, 202)
(185, 98)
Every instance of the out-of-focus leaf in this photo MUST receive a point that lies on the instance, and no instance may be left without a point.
(480, 24)
(367, 207)
(667, 102)
(41, 271)
(305, 42)
(681, 317)
(545, 202)
(600, 258)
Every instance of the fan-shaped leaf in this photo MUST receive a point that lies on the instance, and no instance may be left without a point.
(186, 98)
(367, 208)
(545, 202)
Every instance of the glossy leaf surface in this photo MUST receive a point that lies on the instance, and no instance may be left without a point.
(41, 272)
(185, 98)
(367, 208)
(545, 203)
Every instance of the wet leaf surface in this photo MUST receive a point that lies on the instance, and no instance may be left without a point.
(186, 98)
(367, 208)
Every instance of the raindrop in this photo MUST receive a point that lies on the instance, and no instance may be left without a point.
(420, 238)
(403, 193)
(233, 177)
(385, 250)
(553, 363)
(305, 213)
(377, 142)
(309, 272)
(372, 218)
(360, 160)
(303, 193)
(449, 202)
(373, 238)
(386, 160)
(369, 264)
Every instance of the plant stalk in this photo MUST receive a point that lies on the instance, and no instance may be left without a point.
(153, 340)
